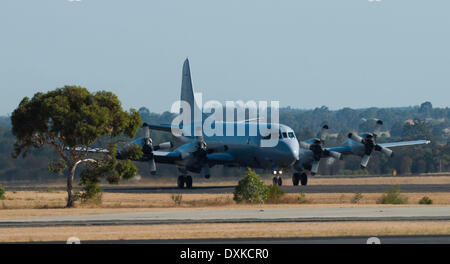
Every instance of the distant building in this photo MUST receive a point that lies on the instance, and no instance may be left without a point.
(410, 122)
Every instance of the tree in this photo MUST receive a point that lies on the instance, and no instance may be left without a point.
(70, 119)
(426, 108)
(420, 129)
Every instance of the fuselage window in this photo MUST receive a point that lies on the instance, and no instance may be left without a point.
(291, 135)
(284, 135)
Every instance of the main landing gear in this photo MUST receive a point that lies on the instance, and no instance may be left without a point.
(299, 178)
(184, 180)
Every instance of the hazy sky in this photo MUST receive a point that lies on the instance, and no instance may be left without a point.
(339, 53)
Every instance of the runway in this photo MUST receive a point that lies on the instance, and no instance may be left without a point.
(423, 213)
(428, 239)
(371, 188)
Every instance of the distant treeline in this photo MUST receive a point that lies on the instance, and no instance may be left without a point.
(408, 123)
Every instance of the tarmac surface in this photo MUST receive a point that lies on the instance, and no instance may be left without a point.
(427, 239)
(401, 213)
(371, 188)
(375, 188)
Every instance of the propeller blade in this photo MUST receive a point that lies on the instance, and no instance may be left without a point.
(355, 137)
(304, 145)
(199, 133)
(324, 133)
(334, 154)
(378, 127)
(315, 167)
(152, 165)
(330, 161)
(385, 151)
(146, 131)
(364, 161)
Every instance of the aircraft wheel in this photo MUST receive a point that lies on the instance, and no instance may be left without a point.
(274, 181)
(304, 179)
(181, 181)
(279, 181)
(295, 179)
(189, 182)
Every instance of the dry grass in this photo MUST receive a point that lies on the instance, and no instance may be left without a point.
(247, 230)
(26, 204)
(57, 199)
(443, 178)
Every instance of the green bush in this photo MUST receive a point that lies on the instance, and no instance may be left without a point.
(426, 200)
(251, 189)
(92, 193)
(393, 196)
(275, 193)
(2, 193)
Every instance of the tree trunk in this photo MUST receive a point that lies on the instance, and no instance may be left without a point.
(70, 177)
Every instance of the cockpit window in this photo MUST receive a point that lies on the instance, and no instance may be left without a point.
(284, 135)
(291, 135)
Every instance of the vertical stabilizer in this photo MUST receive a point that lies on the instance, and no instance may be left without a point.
(187, 93)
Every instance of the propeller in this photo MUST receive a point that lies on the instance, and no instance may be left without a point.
(148, 148)
(318, 151)
(369, 142)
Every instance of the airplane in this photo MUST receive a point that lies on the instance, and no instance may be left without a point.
(364, 144)
(197, 154)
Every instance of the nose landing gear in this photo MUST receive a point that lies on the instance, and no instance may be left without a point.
(277, 178)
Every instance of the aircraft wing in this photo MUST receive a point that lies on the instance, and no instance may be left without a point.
(161, 127)
(160, 156)
(348, 150)
(404, 143)
(343, 150)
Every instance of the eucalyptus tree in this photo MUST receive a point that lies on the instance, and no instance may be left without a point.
(71, 119)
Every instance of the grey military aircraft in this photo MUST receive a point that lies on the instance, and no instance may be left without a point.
(198, 154)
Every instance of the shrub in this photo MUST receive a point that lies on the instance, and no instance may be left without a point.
(176, 198)
(274, 193)
(251, 189)
(358, 196)
(91, 193)
(302, 198)
(2, 193)
(426, 200)
(393, 196)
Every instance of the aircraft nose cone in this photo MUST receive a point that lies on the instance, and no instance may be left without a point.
(291, 150)
(294, 151)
